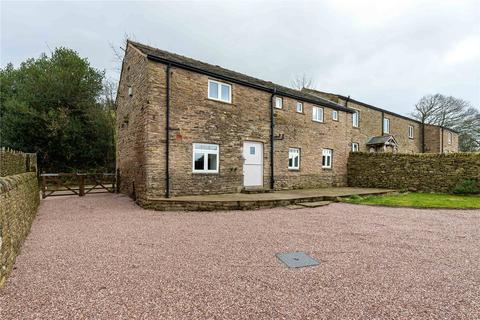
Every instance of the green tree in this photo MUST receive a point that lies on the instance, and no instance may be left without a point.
(52, 105)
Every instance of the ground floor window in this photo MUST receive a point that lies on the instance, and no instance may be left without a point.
(205, 158)
(294, 158)
(355, 147)
(327, 155)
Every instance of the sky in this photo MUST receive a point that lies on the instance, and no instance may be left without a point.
(385, 53)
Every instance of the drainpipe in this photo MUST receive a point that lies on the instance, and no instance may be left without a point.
(346, 102)
(272, 139)
(441, 139)
(383, 121)
(167, 132)
(423, 136)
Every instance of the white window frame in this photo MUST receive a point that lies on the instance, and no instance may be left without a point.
(219, 91)
(356, 118)
(205, 154)
(334, 115)
(292, 153)
(328, 153)
(410, 132)
(299, 107)
(449, 136)
(315, 112)
(355, 147)
(278, 102)
(386, 125)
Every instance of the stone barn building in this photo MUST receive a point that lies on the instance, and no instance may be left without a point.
(186, 127)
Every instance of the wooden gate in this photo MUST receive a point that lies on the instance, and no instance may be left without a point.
(80, 184)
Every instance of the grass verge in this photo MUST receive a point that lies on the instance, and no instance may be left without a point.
(419, 200)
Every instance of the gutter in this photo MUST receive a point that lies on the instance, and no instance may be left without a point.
(247, 84)
(167, 132)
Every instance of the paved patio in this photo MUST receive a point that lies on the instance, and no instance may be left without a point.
(103, 257)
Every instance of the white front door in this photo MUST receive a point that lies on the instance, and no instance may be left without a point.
(252, 164)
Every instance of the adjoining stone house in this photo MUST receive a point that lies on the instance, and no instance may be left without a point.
(188, 127)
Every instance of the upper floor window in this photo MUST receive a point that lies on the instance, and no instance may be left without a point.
(219, 91)
(299, 107)
(205, 158)
(449, 138)
(327, 155)
(294, 158)
(278, 103)
(335, 115)
(355, 118)
(386, 125)
(410, 132)
(355, 147)
(317, 114)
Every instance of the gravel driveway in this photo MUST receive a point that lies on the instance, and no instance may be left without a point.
(102, 257)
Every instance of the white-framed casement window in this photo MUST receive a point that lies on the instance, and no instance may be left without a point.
(278, 102)
(386, 125)
(410, 132)
(299, 107)
(449, 138)
(219, 91)
(317, 114)
(293, 158)
(327, 155)
(335, 115)
(205, 157)
(355, 147)
(355, 118)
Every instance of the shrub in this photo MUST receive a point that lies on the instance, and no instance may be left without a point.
(355, 197)
(466, 187)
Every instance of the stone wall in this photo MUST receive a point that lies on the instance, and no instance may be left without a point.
(131, 123)
(414, 172)
(19, 200)
(15, 162)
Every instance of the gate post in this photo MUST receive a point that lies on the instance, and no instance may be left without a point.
(81, 184)
(44, 187)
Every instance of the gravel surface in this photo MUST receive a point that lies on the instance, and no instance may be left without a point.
(102, 257)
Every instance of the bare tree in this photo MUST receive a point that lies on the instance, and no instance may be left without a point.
(451, 112)
(303, 81)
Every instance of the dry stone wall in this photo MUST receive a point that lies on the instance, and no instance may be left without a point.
(19, 200)
(414, 172)
(15, 162)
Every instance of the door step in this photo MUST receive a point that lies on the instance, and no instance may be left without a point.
(251, 190)
(315, 204)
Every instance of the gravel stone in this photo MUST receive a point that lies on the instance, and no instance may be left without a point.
(103, 257)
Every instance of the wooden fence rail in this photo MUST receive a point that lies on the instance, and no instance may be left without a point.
(65, 184)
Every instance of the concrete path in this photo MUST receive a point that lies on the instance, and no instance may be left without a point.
(102, 257)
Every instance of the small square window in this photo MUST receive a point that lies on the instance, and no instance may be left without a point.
(252, 150)
(219, 91)
(299, 107)
(278, 103)
(335, 115)
(293, 158)
(317, 114)
(355, 147)
(327, 158)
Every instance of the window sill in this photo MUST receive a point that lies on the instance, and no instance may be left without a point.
(318, 121)
(205, 172)
(221, 101)
(327, 169)
(293, 169)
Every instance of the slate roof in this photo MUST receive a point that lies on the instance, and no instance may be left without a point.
(229, 75)
(380, 140)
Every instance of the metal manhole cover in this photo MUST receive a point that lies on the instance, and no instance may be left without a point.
(297, 259)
